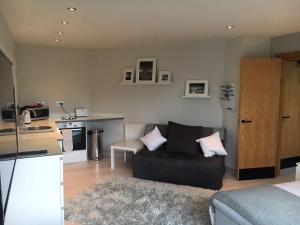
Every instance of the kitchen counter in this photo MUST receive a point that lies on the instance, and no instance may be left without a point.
(92, 117)
(32, 141)
(44, 140)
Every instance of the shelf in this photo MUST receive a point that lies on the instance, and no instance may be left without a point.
(146, 83)
(184, 96)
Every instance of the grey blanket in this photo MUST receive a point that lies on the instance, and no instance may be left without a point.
(267, 205)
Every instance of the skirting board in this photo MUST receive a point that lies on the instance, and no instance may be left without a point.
(257, 173)
(289, 162)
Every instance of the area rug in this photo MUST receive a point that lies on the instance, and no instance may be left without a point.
(131, 201)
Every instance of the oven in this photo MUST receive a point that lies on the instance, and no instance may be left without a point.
(79, 134)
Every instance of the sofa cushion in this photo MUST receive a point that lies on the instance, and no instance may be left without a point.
(182, 138)
(212, 145)
(153, 140)
(163, 131)
(161, 127)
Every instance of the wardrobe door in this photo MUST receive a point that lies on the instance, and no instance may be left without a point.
(258, 117)
(290, 118)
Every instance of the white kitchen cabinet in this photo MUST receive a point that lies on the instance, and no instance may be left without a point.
(36, 196)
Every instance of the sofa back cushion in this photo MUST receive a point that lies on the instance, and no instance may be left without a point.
(205, 131)
(182, 138)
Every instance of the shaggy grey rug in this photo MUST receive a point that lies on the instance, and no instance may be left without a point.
(130, 201)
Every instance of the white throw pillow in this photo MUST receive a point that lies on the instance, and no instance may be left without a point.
(153, 139)
(212, 145)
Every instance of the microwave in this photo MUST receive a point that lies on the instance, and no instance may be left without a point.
(8, 114)
(37, 112)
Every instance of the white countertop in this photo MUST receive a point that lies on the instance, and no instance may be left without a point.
(91, 117)
(44, 140)
(32, 141)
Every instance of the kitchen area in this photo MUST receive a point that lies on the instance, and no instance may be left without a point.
(44, 144)
(67, 132)
(36, 142)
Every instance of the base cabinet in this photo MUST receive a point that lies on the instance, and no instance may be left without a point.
(36, 196)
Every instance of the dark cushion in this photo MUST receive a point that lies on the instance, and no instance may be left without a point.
(182, 138)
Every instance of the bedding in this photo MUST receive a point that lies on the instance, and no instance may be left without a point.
(266, 205)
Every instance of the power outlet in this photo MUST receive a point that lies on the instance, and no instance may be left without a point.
(59, 103)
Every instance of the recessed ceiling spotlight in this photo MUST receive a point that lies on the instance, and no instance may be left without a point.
(60, 32)
(229, 27)
(72, 9)
(65, 22)
(57, 40)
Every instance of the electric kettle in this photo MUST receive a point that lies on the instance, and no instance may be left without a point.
(26, 117)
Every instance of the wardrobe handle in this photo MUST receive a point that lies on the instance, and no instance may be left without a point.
(246, 121)
(286, 117)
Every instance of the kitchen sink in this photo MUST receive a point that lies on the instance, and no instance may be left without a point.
(7, 131)
(36, 129)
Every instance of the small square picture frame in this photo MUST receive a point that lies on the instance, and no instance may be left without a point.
(196, 88)
(164, 76)
(128, 75)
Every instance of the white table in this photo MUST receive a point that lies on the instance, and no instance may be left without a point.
(132, 146)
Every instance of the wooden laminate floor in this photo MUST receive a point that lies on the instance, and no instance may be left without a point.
(79, 176)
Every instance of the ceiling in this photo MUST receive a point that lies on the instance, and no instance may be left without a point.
(115, 23)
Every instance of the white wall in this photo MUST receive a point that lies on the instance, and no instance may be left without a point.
(6, 40)
(50, 74)
(92, 78)
(285, 43)
(149, 103)
(7, 47)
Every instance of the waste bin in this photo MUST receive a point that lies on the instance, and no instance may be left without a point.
(96, 151)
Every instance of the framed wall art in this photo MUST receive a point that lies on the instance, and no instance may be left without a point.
(164, 76)
(146, 70)
(196, 88)
(128, 75)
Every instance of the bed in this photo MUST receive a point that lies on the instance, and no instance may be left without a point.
(266, 205)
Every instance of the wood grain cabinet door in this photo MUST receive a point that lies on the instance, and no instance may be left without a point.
(259, 112)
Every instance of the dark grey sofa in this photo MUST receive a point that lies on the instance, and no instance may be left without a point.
(180, 168)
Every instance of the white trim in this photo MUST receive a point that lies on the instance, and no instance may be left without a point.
(184, 96)
(165, 83)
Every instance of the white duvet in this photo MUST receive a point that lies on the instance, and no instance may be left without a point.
(292, 187)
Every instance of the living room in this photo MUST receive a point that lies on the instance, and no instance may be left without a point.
(70, 55)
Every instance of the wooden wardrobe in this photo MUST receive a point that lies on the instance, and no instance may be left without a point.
(269, 123)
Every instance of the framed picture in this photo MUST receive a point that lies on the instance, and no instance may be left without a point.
(128, 75)
(196, 88)
(146, 70)
(164, 77)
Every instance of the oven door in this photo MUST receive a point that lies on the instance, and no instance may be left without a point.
(79, 138)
